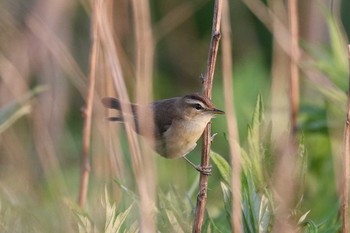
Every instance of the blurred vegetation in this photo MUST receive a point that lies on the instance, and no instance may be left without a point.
(47, 43)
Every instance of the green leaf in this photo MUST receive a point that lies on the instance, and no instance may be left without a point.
(222, 165)
(253, 157)
(258, 114)
(257, 207)
(254, 128)
(227, 199)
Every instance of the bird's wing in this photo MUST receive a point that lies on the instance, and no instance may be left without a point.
(164, 116)
(163, 111)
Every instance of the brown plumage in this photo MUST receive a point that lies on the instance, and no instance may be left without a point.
(178, 122)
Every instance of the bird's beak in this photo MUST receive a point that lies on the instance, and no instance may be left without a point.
(217, 111)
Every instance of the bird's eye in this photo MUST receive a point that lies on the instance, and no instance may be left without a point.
(198, 106)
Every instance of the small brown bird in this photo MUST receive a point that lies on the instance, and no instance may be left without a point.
(178, 123)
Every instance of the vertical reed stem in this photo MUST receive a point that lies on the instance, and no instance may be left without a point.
(294, 70)
(233, 138)
(284, 195)
(146, 175)
(346, 160)
(207, 90)
(85, 163)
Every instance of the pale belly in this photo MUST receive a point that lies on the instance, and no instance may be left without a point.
(180, 141)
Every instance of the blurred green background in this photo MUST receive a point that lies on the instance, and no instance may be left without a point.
(46, 44)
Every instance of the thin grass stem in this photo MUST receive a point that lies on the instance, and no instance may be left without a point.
(346, 160)
(233, 137)
(294, 61)
(85, 163)
(207, 91)
(144, 186)
(146, 176)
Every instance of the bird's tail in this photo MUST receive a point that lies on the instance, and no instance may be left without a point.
(114, 103)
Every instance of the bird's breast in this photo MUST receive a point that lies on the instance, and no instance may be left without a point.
(180, 138)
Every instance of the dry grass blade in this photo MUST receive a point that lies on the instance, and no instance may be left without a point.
(85, 163)
(145, 176)
(104, 20)
(233, 138)
(207, 89)
(346, 170)
(104, 26)
(294, 70)
(284, 181)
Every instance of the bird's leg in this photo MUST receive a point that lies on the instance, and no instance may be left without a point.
(201, 169)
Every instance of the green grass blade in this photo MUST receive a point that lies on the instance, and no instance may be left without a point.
(222, 165)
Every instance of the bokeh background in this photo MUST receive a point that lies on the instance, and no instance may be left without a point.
(44, 69)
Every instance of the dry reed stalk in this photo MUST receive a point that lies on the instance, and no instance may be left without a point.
(105, 30)
(284, 179)
(110, 133)
(146, 175)
(144, 53)
(294, 61)
(87, 114)
(104, 19)
(279, 101)
(207, 90)
(346, 161)
(233, 137)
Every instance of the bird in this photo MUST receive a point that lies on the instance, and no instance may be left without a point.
(179, 122)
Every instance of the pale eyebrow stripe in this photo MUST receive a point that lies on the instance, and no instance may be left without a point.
(192, 101)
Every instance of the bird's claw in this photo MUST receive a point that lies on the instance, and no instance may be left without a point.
(205, 170)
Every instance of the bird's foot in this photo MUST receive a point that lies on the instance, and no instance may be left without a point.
(205, 170)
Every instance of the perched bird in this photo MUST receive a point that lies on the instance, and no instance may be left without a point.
(178, 122)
